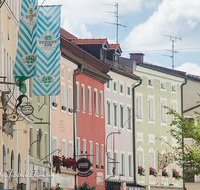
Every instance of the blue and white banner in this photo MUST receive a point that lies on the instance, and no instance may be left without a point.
(47, 79)
(25, 62)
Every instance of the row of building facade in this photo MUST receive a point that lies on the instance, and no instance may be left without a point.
(110, 110)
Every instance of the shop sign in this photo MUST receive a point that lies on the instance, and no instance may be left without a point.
(27, 109)
(85, 174)
(84, 164)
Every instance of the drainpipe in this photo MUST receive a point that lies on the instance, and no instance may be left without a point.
(50, 141)
(133, 120)
(182, 135)
(74, 112)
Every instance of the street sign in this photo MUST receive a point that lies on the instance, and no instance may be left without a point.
(27, 109)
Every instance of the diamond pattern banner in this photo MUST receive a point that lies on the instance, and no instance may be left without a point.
(25, 62)
(47, 79)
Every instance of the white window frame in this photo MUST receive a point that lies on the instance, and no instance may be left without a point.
(70, 102)
(91, 151)
(163, 111)
(128, 86)
(121, 93)
(108, 165)
(83, 97)
(115, 91)
(84, 147)
(70, 148)
(62, 72)
(130, 165)
(152, 154)
(77, 96)
(122, 115)
(123, 164)
(115, 105)
(89, 100)
(129, 117)
(69, 74)
(139, 107)
(64, 152)
(102, 156)
(108, 85)
(78, 147)
(140, 156)
(175, 88)
(63, 96)
(96, 102)
(151, 109)
(116, 164)
(97, 155)
(163, 86)
(101, 103)
(54, 138)
(150, 80)
(108, 112)
(174, 107)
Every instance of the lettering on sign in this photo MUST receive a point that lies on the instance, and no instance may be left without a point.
(27, 109)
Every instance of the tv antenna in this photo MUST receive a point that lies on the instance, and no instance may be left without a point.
(173, 39)
(117, 22)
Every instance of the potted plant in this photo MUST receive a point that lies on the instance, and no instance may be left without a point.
(165, 173)
(69, 163)
(141, 171)
(175, 174)
(152, 171)
(56, 159)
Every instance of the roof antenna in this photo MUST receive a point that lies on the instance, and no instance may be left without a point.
(173, 39)
(116, 23)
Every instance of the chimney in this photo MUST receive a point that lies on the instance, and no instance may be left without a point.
(137, 56)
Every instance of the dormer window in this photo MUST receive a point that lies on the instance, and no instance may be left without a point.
(102, 55)
(115, 58)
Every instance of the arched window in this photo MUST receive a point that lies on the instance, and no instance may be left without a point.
(8, 159)
(4, 159)
(19, 168)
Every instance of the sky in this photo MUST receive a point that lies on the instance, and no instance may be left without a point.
(150, 23)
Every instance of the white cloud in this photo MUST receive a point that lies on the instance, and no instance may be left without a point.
(173, 17)
(190, 68)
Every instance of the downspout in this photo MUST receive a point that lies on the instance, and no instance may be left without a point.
(74, 112)
(182, 135)
(133, 120)
(50, 140)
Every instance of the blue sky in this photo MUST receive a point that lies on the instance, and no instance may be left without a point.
(147, 22)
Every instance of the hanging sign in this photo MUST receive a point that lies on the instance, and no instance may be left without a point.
(85, 174)
(84, 164)
(27, 109)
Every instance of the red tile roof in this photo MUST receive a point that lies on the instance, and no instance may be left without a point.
(88, 41)
(66, 34)
(114, 47)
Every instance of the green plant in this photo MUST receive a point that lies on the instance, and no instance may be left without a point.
(58, 187)
(86, 186)
(165, 173)
(152, 171)
(175, 174)
(141, 171)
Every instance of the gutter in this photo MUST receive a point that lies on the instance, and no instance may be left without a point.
(182, 135)
(74, 112)
(189, 109)
(133, 131)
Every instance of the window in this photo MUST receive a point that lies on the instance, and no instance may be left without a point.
(108, 112)
(108, 164)
(150, 109)
(108, 84)
(54, 146)
(4, 158)
(83, 98)
(38, 145)
(63, 96)
(122, 115)
(123, 164)
(89, 100)
(62, 72)
(163, 111)
(46, 144)
(69, 97)
(173, 88)
(96, 102)
(121, 88)
(38, 99)
(45, 100)
(8, 71)
(130, 165)
(128, 91)
(54, 99)
(63, 147)
(97, 155)
(114, 86)
(101, 55)
(69, 75)
(78, 148)
(140, 158)
(129, 117)
(116, 164)
(77, 95)
(150, 82)
(162, 85)
(12, 163)
(84, 148)
(70, 149)
(91, 152)
(19, 167)
(30, 141)
(115, 114)
(102, 156)
(138, 106)
(151, 160)
(174, 108)
(101, 102)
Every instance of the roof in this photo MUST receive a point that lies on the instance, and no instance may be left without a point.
(66, 34)
(88, 41)
(163, 69)
(193, 77)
